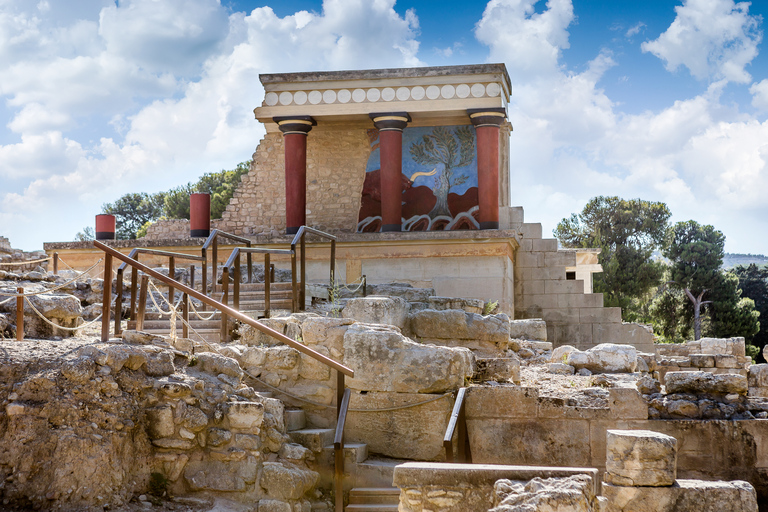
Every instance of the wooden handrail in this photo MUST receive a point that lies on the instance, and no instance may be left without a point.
(299, 238)
(212, 241)
(458, 419)
(213, 303)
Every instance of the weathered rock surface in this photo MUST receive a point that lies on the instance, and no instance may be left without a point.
(640, 458)
(705, 382)
(385, 360)
(604, 358)
(59, 309)
(684, 496)
(528, 329)
(499, 369)
(378, 310)
(486, 335)
(571, 494)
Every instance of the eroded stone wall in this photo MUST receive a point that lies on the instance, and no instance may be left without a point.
(335, 173)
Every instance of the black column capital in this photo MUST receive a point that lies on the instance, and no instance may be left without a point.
(295, 124)
(487, 116)
(390, 120)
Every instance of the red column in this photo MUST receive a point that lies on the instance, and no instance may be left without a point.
(487, 123)
(390, 127)
(105, 227)
(295, 130)
(199, 215)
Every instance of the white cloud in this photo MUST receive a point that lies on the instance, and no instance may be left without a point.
(530, 43)
(714, 39)
(635, 29)
(759, 93)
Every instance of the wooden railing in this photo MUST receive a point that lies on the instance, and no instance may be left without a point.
(341, 370)
(299, 239)
(134, 254)
(458, 420)
(212, 242)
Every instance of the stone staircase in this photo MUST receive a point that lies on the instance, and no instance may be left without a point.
(252, 302)
(368, 479)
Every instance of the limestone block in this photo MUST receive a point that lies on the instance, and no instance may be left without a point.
(456, 324)
(736, 346)
(160, 364)
(705, 382)
(414, 433)
(385, 360)
(713, 346)
(683, 496)
(726, 361)
(703, 360)
(406, 291)
(218, 436)
(571, 494)
(286, 481)
(274, 506)
(649, 360)
(214, 475)
(326, 331)
(499, 369)
(143, 338)
(378, 310)
(640, 458)
(758, 375)
(528, 329)
(194, 419)
(560, 369)
(281, 358)
(79, 371)
(560, 354)
(627, 403)
(605, 358)
(245, 415)
(468, 305)
(160, 422)
(216, 364)
(119, 356)
(508, 402)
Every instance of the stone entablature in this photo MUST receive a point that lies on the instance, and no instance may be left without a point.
(426, 93)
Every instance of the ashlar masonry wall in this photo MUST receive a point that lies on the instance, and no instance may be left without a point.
(336, 161)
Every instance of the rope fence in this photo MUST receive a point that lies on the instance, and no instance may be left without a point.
(20, 263)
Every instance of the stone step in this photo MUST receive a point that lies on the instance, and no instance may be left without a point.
(376, 472)
(372, 507)
(374, 495)
(280, 286)
(354, 453)
(295, 419)
(313, 438)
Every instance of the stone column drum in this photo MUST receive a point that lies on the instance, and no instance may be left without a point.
(199, 215)
(390, 125)
(295, 130)
(105, 227)
(487, 123)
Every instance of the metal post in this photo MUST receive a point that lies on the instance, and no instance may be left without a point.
(185, 315)
(55, 263)
(225, 297)
(106, 300)
(20, 314)
(119, 301)
(302, 299)
(267, 280)
(172, 275)
(236, 277)
(142, 302)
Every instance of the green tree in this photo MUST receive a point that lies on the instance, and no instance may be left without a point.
(133, 210)
(85, 235)
(627, 232)
(753, 281)
(220, 185)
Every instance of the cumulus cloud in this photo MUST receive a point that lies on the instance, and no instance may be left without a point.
(714, 39)
(759, 93)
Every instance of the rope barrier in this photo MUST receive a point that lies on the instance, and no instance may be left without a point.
(82, 326)
(19, 263)
(194, 310)
(6, 300)
(49, 290)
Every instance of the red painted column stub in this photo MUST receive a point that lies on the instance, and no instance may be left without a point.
(105, 227)
(295, 130)
(199, 215)
(487, 122)
(390, 126)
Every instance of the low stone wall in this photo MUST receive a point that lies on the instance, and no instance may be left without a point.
(467, 487)
(713, 355)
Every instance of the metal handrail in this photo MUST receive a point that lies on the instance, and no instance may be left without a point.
(233, 262)
(299, 238)
(458, 419)
(338, 450)
(213, 242)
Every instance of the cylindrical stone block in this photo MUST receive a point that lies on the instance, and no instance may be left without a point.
(105, 227)
(199, 215)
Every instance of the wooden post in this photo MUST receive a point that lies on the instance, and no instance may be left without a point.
(204, 282)
(302, 298)
(185, 315)
(142, 302)
(119, 301)
(338, 470)
(20, 314)
(267, 279)
(333, 263)
(192, 276)
(214, 264)
(236, 278)
(294, 284)
(172, 275)
(272, 273)
(224, 299)
(55, 263)
(106, 300)
(250, 265)
(134, 284)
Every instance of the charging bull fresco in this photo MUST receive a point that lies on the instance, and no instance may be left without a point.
(439, 180)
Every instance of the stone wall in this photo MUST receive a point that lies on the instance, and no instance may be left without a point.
(168, 229)
(713, 355)
(336, 162)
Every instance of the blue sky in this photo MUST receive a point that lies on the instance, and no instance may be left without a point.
(663, 100)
